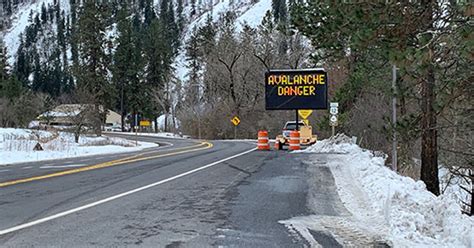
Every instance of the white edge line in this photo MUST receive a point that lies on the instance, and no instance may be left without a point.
(90, 205)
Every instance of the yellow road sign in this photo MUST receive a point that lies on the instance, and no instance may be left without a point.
(305, 113)
(145, 123)
(235, 120)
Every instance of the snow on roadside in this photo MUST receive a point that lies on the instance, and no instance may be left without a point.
(413, 215)
(16, 145)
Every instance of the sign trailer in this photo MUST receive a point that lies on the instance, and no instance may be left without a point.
(296, 89)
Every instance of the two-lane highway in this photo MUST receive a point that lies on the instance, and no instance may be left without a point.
(181, 193)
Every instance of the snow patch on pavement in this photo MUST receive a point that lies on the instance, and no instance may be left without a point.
(16, 145)
(396, 207)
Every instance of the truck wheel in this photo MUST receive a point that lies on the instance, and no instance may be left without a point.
(280, 146)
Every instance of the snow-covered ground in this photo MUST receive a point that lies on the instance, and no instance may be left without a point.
(384, 204)
(16, 145)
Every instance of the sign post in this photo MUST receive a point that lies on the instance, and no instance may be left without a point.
(136, 129)
(333, 119)
(297, 128)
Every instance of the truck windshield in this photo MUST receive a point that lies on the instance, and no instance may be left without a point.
(292, 126)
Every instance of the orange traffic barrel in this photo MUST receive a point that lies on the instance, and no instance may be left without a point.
(294, 140)
(262, 143)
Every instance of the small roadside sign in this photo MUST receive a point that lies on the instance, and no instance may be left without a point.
(235, 120)
(333, 111)
(333, 118)
(334, 104)
(145, 123)
(305, 113)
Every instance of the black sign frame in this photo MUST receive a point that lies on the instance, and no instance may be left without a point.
(275, 102)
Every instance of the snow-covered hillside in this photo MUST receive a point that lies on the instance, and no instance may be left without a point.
(20, 20)
(247, 11)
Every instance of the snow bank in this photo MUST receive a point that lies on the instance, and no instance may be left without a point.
(16, 145)
(414, 216)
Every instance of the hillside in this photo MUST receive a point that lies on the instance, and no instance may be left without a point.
(248, 12)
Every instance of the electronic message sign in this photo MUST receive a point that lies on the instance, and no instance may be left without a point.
(296, 89)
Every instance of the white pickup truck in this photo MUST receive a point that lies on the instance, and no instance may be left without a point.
(306, 134)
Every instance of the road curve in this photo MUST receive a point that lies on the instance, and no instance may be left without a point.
(185, 193)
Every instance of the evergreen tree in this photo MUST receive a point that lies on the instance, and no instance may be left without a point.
(92, 70)
(3, 63)
(207, 36)
(10, 87)
(194, 57)
(180, 16)
(280, 11)
(23, 62)
(149, 12)
(44, 14)
(127, 66)
(402, 34)
(193, 9)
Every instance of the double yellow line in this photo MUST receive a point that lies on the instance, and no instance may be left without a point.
(135, 158)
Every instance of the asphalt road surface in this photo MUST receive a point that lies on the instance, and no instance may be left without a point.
(185, 193)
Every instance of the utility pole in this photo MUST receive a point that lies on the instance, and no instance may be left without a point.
(394, 118)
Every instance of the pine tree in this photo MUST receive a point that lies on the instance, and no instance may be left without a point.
(44, 14)
(3, 63)
(10, 87)
(127, 66)
(23, 61)
(194, 57)
(193, 9)
(404, 34)
(181, 21)
(280, 12)
(207, 36)
(149, 13)
(92, 70)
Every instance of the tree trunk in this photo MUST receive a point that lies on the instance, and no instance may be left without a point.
(122, 110)
(471, 174)
(429, 146)
(77, 134)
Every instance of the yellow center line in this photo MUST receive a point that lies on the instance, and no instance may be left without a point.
(148, 152)
(107, 164)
